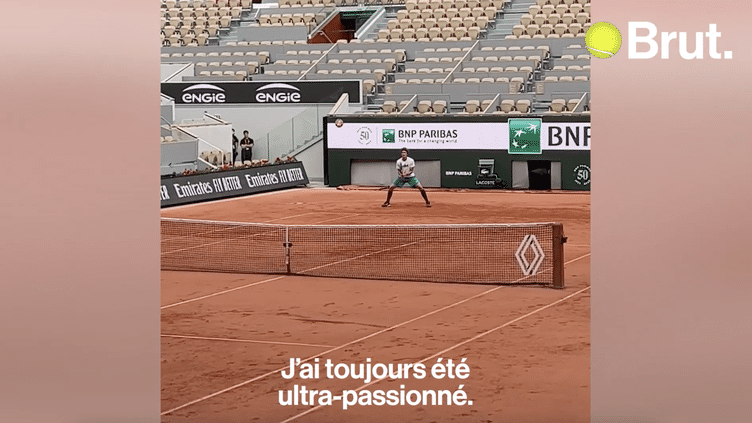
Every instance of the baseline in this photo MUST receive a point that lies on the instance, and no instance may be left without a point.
(261, 194)
(250, 341)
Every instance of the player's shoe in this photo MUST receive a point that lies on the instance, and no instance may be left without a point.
(428, 204)
(385, 205)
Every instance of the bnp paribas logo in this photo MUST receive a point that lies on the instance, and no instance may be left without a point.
(387, 135)
(524, 136)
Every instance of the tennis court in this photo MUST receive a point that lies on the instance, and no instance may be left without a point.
(227, 337)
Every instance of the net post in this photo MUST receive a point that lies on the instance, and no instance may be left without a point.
(558, 255)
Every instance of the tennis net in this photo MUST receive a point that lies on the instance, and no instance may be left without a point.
(467, 253)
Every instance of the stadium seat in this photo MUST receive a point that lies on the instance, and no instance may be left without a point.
(523, 105)
(424, 106)
(558, 105)
(485, 104)
(572, 103)
(506, 106)
(369, 85)
(472, 106)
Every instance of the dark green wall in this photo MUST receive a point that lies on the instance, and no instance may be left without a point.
(461, 160)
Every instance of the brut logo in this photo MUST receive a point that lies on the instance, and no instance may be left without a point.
(524, 136)
(203, 93)
(665, 45)
(278, 93)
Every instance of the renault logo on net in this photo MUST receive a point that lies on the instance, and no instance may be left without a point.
(530, 242)
(203, 93)
(278, 93)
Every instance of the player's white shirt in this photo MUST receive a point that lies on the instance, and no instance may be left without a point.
(406, 166)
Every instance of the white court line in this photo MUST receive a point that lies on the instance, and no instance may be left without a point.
(235, 198)
(341, 217)
(360, 256)
(456, 346)
(233, 289)
(231, 239)
(288, 217)
(219, 230)
(204, 338)
(192, 235)
(351, 343)
(280, 277)
(221, 241)
(221, 292)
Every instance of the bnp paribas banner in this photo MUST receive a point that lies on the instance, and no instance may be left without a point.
(518, 136)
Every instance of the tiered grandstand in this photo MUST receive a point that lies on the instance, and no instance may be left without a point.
(414, 57)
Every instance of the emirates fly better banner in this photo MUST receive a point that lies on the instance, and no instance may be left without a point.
(217, 185)
(518, 136)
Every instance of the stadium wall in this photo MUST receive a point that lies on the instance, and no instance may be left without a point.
(474, 152)
(167, 113)
(258, 120)
(312, 158)
(279, 115)
(175, 71)
(381, 173)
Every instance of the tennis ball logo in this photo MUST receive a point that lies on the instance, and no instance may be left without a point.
(603, 40)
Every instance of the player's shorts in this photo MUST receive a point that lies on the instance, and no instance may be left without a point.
(400, 182)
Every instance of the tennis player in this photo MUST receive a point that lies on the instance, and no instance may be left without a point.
(405, 169)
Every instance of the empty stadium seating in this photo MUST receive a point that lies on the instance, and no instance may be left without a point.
(445, 55)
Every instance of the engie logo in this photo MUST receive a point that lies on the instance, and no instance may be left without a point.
(278, 93)
(203, 93)
(524, 136)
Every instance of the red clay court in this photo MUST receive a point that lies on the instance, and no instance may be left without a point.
(226, 337)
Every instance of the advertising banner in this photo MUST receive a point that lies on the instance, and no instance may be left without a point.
(518, 136)
(212, 186)
(287, 92)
